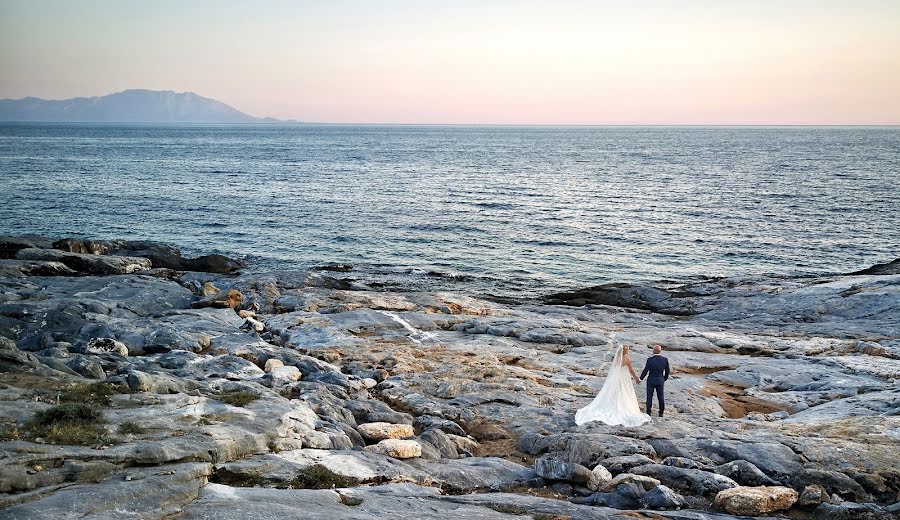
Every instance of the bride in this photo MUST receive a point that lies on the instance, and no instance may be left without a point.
(616, 404)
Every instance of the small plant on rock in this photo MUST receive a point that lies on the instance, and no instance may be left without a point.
(69, 423)
(131, 427)
(320, 477)
(509, 510)
(88, 393)
(350, 501)
(239, 398)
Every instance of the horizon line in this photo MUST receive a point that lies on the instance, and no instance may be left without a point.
(545, 125)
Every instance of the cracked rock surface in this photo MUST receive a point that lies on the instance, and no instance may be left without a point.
(133, 390)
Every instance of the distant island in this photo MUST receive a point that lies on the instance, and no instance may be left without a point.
(128, 106)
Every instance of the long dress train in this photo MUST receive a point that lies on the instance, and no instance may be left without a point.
(616, 404)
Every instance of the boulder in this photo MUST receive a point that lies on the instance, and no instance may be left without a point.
(397, 448)
(464, 445)
(273, 363)
(689, 480)
(478, 473)
(139, 381)
(851, 511)
(229, 367)
(625, 496)
(553, 468)
(105, 345)
(9, 246)
(834, 482)
(86, 263)
(663, 497)
(212, 264)
(744, 473)
(600, 477)
(684, 462)
(812, 496)
(87, 366)
(889, 268)
(281, 376)
(441, 442)
(645, 482)
(624, 463)
(161, 255)
(755, 501)
(34, 268)
(377, 431)
(427, 422)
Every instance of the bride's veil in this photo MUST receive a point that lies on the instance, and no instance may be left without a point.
(616, 365)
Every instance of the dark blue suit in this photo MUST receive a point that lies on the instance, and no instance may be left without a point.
(658, 368)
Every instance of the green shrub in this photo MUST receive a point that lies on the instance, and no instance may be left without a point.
(240, 398)
(320, 477)
(68, 423)
(350, 501)
(88, 393)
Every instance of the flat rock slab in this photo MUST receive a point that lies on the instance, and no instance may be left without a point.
(361, 465)
(478, 473)
(148, 493)
(219, 502)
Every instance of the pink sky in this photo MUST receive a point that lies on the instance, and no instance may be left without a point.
(530, 62)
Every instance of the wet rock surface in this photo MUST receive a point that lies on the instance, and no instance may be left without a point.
(129, 382)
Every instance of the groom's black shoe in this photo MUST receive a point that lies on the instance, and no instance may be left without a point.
(660, 414)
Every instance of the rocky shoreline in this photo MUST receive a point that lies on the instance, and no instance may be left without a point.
(137, 383)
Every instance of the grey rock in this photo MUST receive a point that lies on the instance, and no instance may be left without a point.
(426, 422)
(139, 381)
(584, 449)
(625, 496)
(624, 463)
(10, 245)
(161, 255)
(230, 367)
(684, 462)
(689, 480)
(87, 366)
(437, 438)
(812, 496)
(851, 511)
(663, 497)
(86, 263)
(478, 474)
(553, 468)
(104, 345)
(744, 473)
(625, 295)
(34, 268)
(889, 268)
(150, 493)
(833, 481)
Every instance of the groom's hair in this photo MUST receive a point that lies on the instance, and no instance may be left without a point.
(657, 349)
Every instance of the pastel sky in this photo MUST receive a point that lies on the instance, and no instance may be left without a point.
(528, 62)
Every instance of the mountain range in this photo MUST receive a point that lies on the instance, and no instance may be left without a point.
(128, 106)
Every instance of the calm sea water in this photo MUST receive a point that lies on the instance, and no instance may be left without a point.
(490, 210)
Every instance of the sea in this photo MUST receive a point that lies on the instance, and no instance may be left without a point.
(498, 211)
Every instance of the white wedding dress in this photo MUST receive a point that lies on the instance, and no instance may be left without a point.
(616, 404)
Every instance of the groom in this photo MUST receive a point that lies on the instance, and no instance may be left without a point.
(658, 368)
